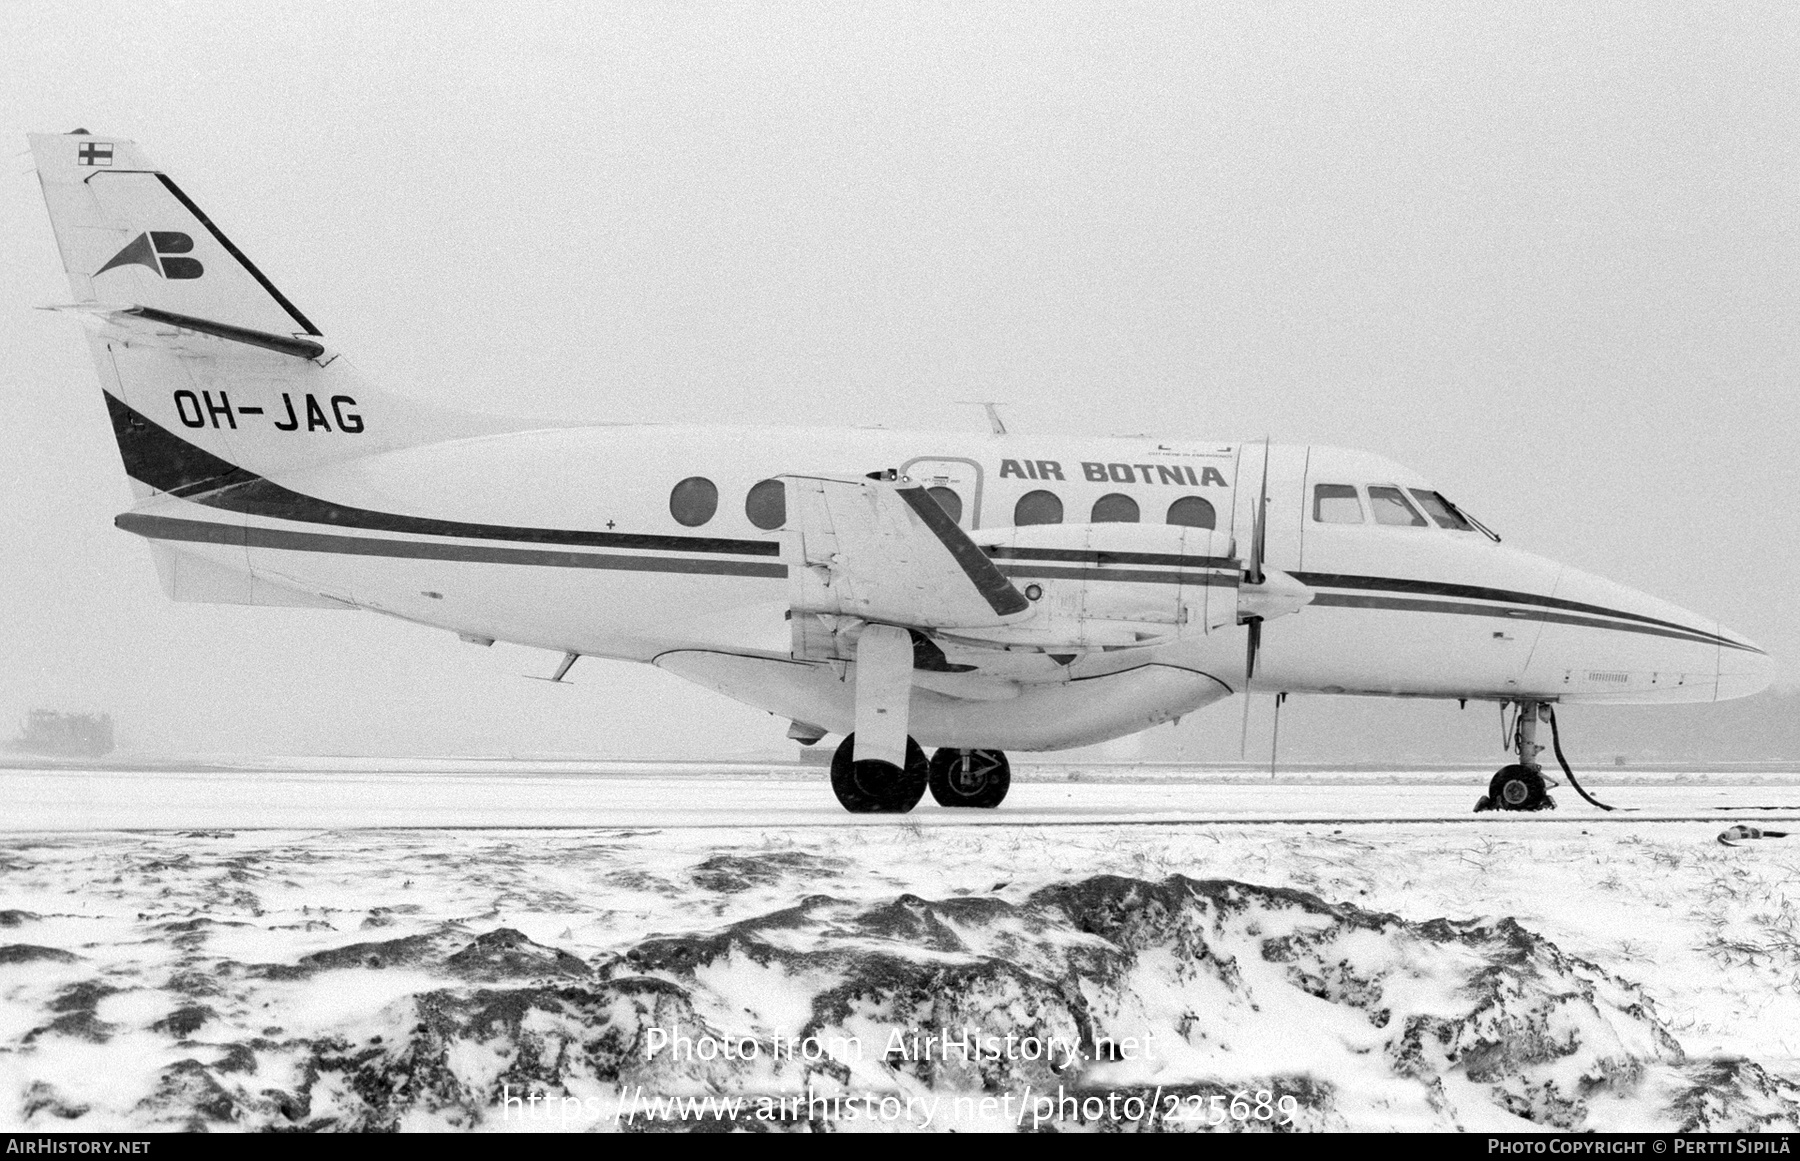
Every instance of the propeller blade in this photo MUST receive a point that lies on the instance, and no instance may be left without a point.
(1254, 575)
(1275, 737)
(1259, 526)
(1253, 642)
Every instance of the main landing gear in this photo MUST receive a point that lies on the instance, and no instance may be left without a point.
(977, 778)
(878, 768)
(873, 786)
(1521, 786)
(970, 777)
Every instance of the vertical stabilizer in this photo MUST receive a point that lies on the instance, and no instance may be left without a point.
(210, 372)
(129, 235)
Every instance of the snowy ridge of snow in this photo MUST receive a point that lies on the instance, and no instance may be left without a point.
(1159, 989)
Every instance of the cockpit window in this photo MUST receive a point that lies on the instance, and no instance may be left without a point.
(1336, 504)
(1390, 507)
(1441, 510)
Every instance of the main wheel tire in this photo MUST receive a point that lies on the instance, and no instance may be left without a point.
(978, 778)
(1518, 788)
(875, 787)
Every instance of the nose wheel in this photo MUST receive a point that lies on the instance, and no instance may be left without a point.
(1517, 788)
(978, 778)
(1521, 786)
(876, 787)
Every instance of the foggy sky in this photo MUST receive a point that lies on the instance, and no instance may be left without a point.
(1544, 254)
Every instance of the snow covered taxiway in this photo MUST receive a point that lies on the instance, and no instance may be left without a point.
(476, 793)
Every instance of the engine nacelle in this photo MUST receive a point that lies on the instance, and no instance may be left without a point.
(1108, 586)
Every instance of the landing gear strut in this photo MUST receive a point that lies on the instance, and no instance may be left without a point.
(970, 777)
(878, 768)
(1521, 785)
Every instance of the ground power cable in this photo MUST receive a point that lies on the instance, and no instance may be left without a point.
(1556, 745)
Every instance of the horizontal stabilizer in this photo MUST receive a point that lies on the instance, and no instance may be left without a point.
(151, 320)
(887, 552)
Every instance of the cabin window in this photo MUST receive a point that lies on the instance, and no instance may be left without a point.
(766, 505)
(948, 500)
(1439, 509)
(693, 501)
(1193, 512)
(1390, 507)
(1336, 504)
(1115, 508)
(1038, 507)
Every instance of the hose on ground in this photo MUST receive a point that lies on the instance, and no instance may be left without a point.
(1556, 745)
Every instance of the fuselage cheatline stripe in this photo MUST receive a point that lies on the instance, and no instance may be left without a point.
(209, 532)
(1092, 556)
(260, 497)
(1418, 605)
(1328, 580)
(1141, 576)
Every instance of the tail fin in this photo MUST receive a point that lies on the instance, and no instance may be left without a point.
(205, 363)
(128, 234)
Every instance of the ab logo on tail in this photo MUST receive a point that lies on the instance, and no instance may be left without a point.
(160, 250)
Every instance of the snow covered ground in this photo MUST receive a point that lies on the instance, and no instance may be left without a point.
(165, 960)
(456, 793)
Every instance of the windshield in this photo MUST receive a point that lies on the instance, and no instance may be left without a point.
(1448, 515)
(1441, 510)
(1391, 507)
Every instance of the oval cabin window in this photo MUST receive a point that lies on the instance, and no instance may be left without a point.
(1193, 512)
(949, 501)
(694, 501)
(1115, 509)
(766, 505)
(1038, 507)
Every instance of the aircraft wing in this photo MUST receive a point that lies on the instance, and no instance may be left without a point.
(885, 552)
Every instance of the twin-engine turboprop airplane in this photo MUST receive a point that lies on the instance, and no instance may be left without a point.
(971, 593)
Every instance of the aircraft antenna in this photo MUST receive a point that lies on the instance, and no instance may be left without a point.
(996, 425)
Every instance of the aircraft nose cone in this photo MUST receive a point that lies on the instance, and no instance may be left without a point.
(1744, 668)
(1604, 642)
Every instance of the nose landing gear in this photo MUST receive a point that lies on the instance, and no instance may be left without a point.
(1517, 788)
(1521, 786)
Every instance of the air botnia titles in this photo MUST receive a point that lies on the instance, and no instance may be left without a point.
(1179, 475)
